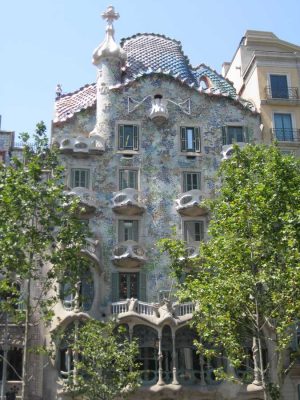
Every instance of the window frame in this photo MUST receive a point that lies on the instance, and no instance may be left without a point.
(225, 133)
(141, 284)
(119, 231)
(292, 117)
(72, 172)
(288, 82)
(184, 185)
(135, 137)
(202, 230)
(128, 169)
(196, 139)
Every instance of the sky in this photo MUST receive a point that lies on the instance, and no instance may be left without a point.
(45, 42)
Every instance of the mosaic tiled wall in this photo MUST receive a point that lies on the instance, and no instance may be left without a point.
(159, 161)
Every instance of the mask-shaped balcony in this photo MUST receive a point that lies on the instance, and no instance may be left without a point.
(129, 254)
(81, 144)
(87, 199)
(127, 202)
(227, 149)
(192, 251)
(159, 112)
(190, 204)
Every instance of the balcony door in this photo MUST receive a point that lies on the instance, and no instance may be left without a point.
(283, 127)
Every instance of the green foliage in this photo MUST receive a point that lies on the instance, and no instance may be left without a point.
(104, 361)
(40, 236)
(247, 282)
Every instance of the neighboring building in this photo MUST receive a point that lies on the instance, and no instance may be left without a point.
(141, 148)
(266, 71)
(8, 147)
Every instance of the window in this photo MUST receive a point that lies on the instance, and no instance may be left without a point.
(128, 230)
(279, 87)
(14, 365)
(127, 285)
(191, 181)
(128, 137)
(283, 127)
(128, 178)
(83, 295)
(190, 139)
(233, 134)
(193, 231)
(80, 177)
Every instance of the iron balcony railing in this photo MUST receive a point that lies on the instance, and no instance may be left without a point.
(287, 93)
(286, 135)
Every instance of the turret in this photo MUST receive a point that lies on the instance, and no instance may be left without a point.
(108, 57)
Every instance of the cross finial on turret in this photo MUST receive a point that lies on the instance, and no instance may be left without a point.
(110, 15)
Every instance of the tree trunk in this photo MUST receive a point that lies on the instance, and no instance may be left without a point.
(26, 342)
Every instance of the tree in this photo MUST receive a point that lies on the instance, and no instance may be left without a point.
(104, 363)
(246, 280)
(40, 236)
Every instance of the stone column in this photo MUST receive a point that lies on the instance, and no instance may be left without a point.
(160, 362)
(175, 381)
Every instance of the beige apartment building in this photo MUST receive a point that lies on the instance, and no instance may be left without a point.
(266, 71)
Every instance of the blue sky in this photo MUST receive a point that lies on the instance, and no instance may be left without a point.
(45, 42)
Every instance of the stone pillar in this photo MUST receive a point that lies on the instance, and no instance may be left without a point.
(160, 362)
(175, 381)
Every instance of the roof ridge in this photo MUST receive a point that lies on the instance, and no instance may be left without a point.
(149, 34)
(76, 91)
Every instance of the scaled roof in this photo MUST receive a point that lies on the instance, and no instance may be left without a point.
(149, 54)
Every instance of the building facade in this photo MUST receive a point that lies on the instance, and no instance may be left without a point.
(141, 148)
(266, 71)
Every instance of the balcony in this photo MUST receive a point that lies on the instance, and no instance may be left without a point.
(190, 204)
(81, 144)
(159, 112)
(129, 254)
(152, 311)
(285, 94)
(127, 202)
(192, 251)
(227, 149)
(286, 135)
(92, 250)
(87, 199)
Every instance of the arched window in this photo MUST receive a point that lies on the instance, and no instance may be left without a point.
(204, 83)
(147, 339)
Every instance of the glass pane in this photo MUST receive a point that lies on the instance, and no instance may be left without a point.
(123, 286)
(128, 285)
(128, 137)
(279, 86)
(190, 139)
